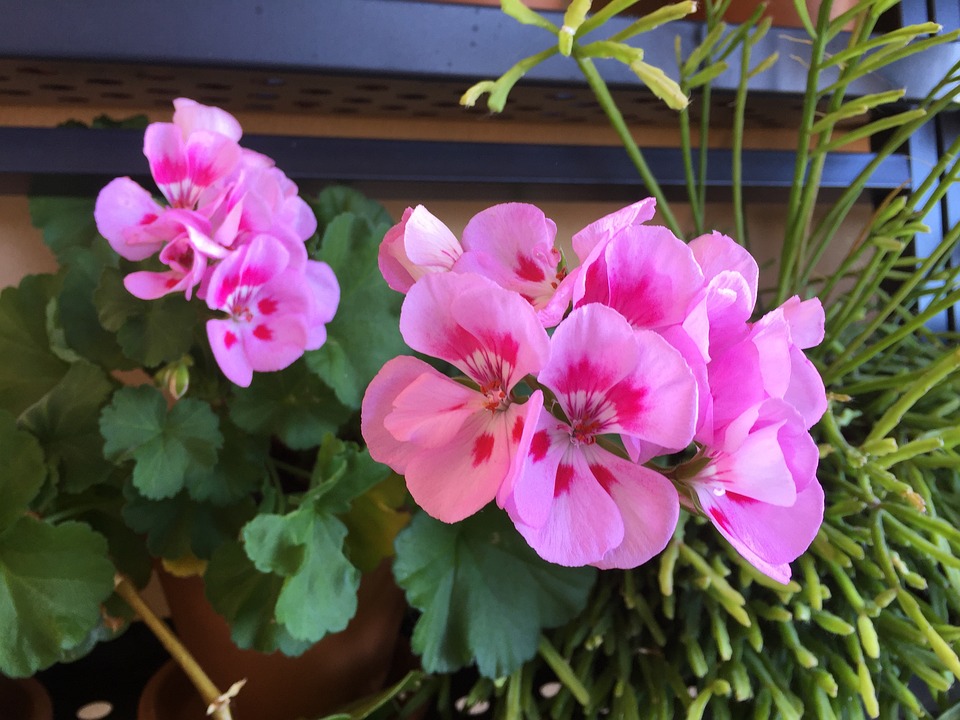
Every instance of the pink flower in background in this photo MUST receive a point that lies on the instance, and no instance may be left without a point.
(270, 309)
(457, 444)
(233, 233)
(193, 153)
(759, 488)
(576, 502)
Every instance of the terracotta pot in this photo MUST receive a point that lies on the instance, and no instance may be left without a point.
(24, 699)
(340, 668)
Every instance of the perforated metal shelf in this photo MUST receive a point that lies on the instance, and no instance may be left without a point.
(395, 59)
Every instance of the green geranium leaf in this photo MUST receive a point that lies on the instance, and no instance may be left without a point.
(485, 595)
(78, 315)
(305, 547)
(66, 222)
(100, 508)
(247, 599)
(164, 445)
(365, 332)
(65, 421)
(180, 526)
(30, 368)
(373, 521)
(337, 199)
(23, 470)
(342, 472)
(240, 470)
(52, 582)
(150, 332)
(292, 404)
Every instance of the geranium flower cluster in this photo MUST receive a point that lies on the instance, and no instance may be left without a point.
(652, 356)
(232, 233)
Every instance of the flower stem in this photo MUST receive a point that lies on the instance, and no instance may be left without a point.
(212, 697)
(609, 105)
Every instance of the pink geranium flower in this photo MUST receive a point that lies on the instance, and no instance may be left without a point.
(271, 310)
(577, 502)
(759, 488)
(457, 444)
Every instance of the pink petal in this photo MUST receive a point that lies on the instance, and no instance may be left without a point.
(757, 470)
(430, 411)
(428, 243)
(806, 321)
(123, 211)
(602, 230)
(489, 333)
(228, 351)
(395, 376)
(767, 536)
(191, 116)
(584, 523)
(456, 480)
(325, 298)
(648, 275)
(648, 504)
(273, 343)
(533, 491)
(522, 433)
(716, 254)
(397, 269)
(153, 285)
(245, 269)
(619, 380)
(805, 392)
(513, 245)
(163, 144)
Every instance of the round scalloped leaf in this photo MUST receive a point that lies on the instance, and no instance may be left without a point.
(52, 582)
(65, 423)
(485, 594)
(292, 404)
(247, 599)
(305, 547)
(29, 368)
(23, 470)
(164, 444)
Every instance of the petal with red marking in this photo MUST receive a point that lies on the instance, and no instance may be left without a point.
(229, 352)
(584, 523)
(123, 210)
(648, 504)
(767, 536)
(454, 481)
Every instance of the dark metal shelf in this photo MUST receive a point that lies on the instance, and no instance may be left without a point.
(392, 58)
(66, 153)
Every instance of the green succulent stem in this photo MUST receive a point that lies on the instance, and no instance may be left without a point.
(610, 109)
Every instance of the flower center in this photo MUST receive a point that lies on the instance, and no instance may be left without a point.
(495, 398)
(584, 432)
